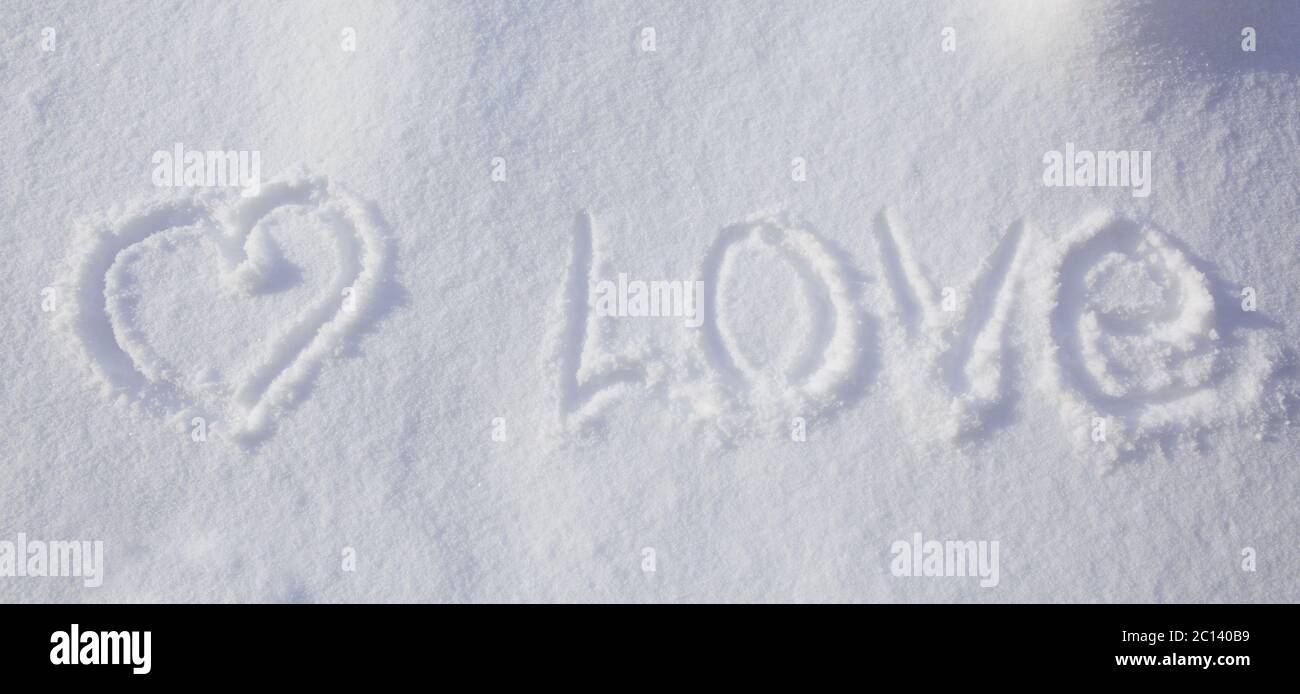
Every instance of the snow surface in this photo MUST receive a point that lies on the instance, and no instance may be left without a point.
(368, 424)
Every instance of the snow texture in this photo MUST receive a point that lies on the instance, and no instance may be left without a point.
(391, 348)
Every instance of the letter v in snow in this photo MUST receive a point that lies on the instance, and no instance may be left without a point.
(961, 350)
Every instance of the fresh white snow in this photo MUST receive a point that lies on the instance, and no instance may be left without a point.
(391, 345)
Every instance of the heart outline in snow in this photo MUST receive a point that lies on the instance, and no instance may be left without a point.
(124, 363)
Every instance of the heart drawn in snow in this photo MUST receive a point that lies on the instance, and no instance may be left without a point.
(280, 365)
